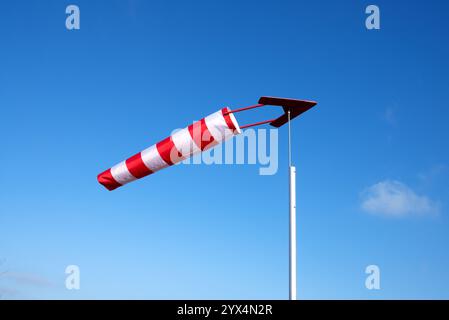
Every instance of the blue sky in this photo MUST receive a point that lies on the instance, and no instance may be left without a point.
(372, 158)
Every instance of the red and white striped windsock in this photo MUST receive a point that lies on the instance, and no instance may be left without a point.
(184, 143)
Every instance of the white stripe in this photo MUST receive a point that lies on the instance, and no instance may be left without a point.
(152, 159)
(236, 125)
(184, 143)
(217, 126)
(121, 173)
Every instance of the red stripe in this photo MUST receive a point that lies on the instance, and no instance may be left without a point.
(227, 118)
(201, 135)
(136, 166)
(168, 151)
(107, 180)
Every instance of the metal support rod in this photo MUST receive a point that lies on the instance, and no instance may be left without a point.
(256, 124)
(245, 108)
(289, 140)
(292, 233)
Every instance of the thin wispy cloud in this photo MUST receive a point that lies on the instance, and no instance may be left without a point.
(28, 279)
(395, 199)
(19, 285)
(436, 172)
(390, 116)
(7, 293)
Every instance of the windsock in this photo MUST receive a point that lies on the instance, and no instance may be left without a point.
(199, 136)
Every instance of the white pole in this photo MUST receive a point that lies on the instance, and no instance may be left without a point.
(292, 244)
(292, 233)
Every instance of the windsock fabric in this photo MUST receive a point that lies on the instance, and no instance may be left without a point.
(199, 136)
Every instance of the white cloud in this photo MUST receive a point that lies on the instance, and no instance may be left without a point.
(393, 198)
